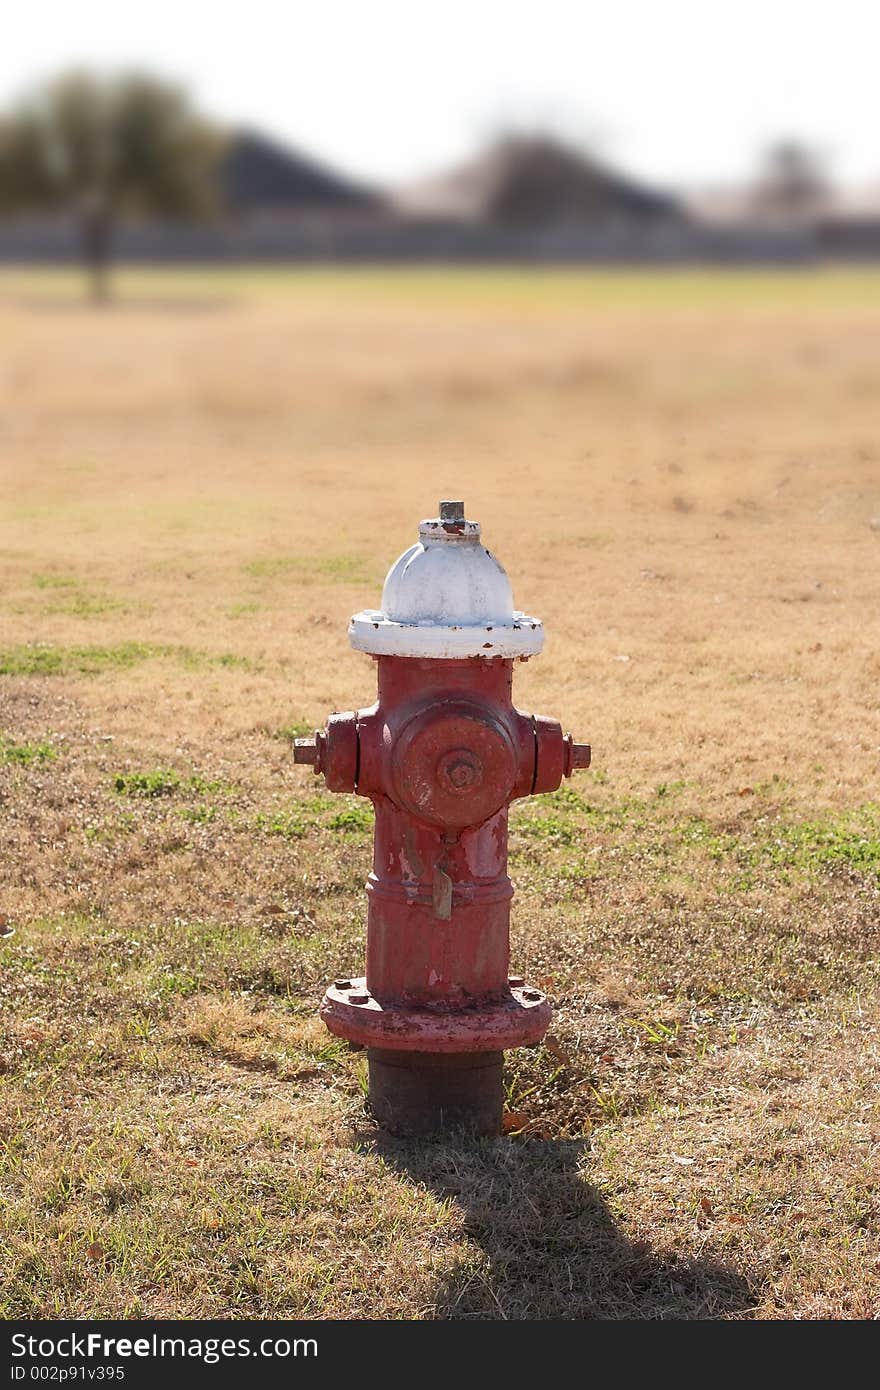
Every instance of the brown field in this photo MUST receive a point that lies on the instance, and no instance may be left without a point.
(682, 476)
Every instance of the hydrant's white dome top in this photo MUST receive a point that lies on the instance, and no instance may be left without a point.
(447, 596)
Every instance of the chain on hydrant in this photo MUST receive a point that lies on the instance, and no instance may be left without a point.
(441, 755)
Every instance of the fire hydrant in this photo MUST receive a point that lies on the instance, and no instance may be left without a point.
(441, 755)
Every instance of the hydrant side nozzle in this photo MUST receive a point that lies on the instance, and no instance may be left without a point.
(581, 756)
(332, 751)
(577, 755)
(305, 750)
(312, 751)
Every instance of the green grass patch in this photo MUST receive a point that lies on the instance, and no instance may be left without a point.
(347, 815)
(160, 782)
(111, 833)
(697, 833)
(341, 569)
(291, 825)
(39, 660)
(567, 823)
(79, 603)
(567, 815)
(67, 594)
(299, 729)
(551, 827)
(45, 660)
(164, 782)
(199, 815)
(850, 840)
(55, 581)
(25, 754)
(355, 819)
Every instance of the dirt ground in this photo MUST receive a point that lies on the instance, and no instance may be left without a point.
(200, 484)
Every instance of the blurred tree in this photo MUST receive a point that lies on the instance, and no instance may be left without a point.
(105, 149)
(793, 185)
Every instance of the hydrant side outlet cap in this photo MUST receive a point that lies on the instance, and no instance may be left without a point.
(447, 597)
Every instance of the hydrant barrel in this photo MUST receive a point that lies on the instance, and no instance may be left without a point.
(441, 754)
(439, 893)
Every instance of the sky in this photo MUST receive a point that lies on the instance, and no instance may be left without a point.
(685, 93)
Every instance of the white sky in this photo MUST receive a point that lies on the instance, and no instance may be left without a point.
(680, 91)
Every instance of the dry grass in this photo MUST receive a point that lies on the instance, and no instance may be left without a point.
(682, 475)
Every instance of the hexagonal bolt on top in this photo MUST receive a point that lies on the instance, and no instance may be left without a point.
(452, 516)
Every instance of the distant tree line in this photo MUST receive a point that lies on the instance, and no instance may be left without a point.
(105, 149)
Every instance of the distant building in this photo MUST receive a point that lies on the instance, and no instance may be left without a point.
(535, 181)
(849, 228)
(792, 188)
(259, 176)
(839, 225)
(529, 199)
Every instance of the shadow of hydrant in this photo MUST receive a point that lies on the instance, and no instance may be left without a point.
(545, 1242)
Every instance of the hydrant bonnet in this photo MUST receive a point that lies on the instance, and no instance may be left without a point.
(447, 597)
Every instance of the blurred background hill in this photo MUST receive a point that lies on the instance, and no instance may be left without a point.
(244, 195)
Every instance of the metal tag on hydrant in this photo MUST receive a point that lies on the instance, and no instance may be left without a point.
(441, 755)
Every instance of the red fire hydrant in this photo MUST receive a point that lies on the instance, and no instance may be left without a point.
(441, 755)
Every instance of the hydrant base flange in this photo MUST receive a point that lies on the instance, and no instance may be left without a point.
(421, 1094)
(520, 1018)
